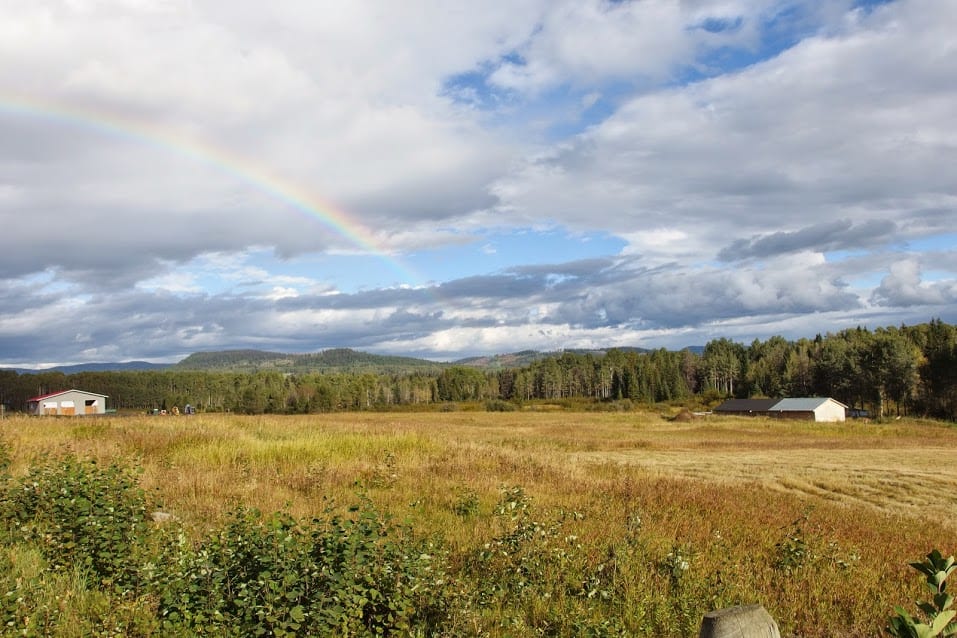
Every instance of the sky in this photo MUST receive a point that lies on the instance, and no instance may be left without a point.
(444, 179)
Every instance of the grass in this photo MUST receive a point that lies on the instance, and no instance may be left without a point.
(817, 522)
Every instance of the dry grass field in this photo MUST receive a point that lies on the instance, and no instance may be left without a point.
(817, 522)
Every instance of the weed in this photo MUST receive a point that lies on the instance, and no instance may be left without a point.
(676, 564)
(467, 503)
(385, 474)
(937, 615)
(613, 495)
(793, 552)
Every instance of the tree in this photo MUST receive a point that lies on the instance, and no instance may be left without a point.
(766, 370)
(938, 370)
(722, 364)
(889, 363)
(836, 370)
(797, 371)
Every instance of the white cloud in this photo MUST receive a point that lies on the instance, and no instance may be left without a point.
(903, 286)
(157, 151)
(815, 134)
(175, 283)
(587, 43)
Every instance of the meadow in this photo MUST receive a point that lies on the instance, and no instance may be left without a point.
(536, 522)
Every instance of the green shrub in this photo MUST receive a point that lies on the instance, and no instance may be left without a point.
(534, 575)
(497, 405)
(355, 576)
(80, 514)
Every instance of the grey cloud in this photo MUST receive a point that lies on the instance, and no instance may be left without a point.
(110, 246)
(580, 268)
(490, 287)
(143, 325)
(599, 295)
(451, 194)
(674, 297)
(836, 235)
(932, 221)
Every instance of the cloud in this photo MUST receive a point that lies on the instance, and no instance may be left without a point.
(179, 176)
(810, 150)
(903, 287)
(590, 43)
(151, 126)
(827, 236)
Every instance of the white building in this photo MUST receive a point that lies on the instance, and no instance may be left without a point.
(67, 403)
(814, 408)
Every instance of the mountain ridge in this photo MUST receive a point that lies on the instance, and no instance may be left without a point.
(329, 361)
(101, 366)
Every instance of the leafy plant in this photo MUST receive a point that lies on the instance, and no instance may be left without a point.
(80, 514)
(676, 564)
(535, 577)
(275, 576)
(467, 503)
(793, 552)
(936, 618)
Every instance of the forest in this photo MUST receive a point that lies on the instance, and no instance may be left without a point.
(892, 371)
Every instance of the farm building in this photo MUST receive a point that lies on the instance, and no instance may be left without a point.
(811, 409)
(67, 403)
(746, 407)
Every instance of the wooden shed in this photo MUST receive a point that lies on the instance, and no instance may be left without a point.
(67, 403)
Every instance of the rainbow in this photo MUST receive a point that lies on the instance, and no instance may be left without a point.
(243, 169)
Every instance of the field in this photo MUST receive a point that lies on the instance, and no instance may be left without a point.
(584, 523)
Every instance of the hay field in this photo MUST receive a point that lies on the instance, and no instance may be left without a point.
(905, 468)
(859, 500)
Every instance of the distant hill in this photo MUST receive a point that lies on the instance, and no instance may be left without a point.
(96, 367)
(231, 359)
(527, 357)
(333, 360)
(501, 361)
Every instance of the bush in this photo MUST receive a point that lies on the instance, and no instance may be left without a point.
(497, 405)
(275, 576)
(80, 514)
(534, 574)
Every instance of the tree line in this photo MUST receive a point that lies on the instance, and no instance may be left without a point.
(895, 370)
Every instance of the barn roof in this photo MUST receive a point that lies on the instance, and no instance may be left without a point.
(746, 405)
(56, 394)
(808, 404)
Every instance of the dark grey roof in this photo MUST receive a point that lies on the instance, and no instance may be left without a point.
(746, 405)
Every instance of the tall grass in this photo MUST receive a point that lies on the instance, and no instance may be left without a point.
(667, 520)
